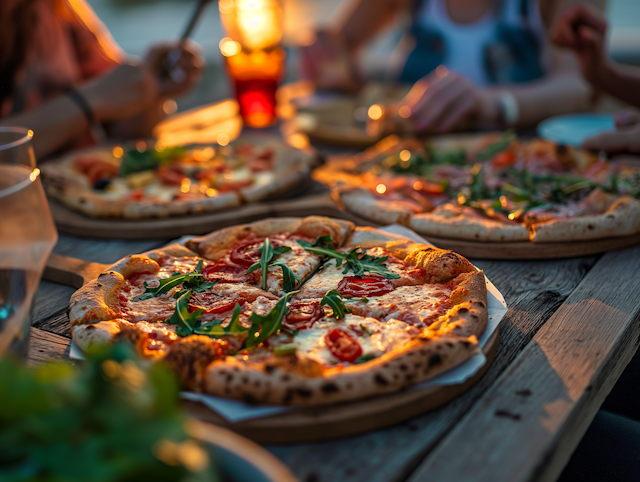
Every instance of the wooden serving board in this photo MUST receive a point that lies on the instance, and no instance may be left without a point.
(304, 423)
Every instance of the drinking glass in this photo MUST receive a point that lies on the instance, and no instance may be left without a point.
(27, 236)
(253, 56)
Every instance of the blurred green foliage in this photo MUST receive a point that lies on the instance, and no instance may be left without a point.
(110, 420)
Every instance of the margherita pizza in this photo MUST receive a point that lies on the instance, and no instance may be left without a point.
(158, 182)
(500, 190)
(290, 311)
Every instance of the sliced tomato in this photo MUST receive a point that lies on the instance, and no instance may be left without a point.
(83, 163)
(302, 315)
(366, 285)
(171, 176)
(247, 252)
(227, 273)
(136, 194)
(235, 185)
(503, 159)
(343, 346)
(101, 170)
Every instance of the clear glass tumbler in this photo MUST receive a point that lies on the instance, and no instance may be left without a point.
(27, 236)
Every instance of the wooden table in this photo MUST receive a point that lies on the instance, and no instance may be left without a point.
(572, 327)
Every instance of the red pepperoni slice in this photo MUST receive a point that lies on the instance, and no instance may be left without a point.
(366, 285)
(227, 273)
(248, 252)
(302, 315)
(212, 303)
(343, 346)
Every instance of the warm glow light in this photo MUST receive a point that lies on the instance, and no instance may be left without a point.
(141, 146)
(203, 188)
(512, 216)
(117, 152)
(306, 37)
(381, 188)
(404, 111)
(298, 140)
(186, 185)
(226, 6)
(256, 23)
(417, 186)
(405, 155)
(30, 134)
(169, 106)
(223, 139)
(229, 47)
(211, 192)
(375, 112)
(461, 199)
(34, 174)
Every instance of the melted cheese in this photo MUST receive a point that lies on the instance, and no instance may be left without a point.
(380, 339)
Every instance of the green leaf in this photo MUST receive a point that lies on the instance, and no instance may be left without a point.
(214, 330)
(194, 281)
(334, 301)
(364, 359)
(289, 278)
(282, 350)
(500, 145)
(267, 255)
(365, 330)
(186, 321)
(364, 299)
(263, 327)
(134, 161)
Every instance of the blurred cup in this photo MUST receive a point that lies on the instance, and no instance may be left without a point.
(253, 56)
(27, 236)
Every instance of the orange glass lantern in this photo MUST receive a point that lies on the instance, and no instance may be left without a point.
(253, 55)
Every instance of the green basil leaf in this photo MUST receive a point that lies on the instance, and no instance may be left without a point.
(282, 350)
(364, 359)
(263, 327)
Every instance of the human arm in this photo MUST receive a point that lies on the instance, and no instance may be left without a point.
(583, 30)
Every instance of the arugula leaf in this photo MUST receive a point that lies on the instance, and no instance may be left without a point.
(289, 278)
(500, 145)
(190, 281)
(325, 241)
(136, 161)
(283, 350)
(364, 299)
(333, 299)
(263, 327)
(186, 321)
(364, 359)
(365, 330)
(214, 330)
(267, 255)
(355, 260)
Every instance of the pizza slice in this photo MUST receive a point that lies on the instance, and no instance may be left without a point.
(268, 253)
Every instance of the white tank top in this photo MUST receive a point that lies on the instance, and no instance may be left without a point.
(465, 43)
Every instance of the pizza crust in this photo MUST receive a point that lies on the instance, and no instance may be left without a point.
(621, 219)
(462, 227)
(362, 203)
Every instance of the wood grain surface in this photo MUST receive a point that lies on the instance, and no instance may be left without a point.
(552, 391)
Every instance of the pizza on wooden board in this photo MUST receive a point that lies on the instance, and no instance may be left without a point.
(300, 311)
(148, 181)
(492, 188)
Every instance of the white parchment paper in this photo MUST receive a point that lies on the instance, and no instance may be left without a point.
(237, 411)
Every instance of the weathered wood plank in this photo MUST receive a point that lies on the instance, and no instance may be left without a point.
(533, 290)
(552, 391)
(51, 300)
(102, 251)
(46, 347)
(59, 324)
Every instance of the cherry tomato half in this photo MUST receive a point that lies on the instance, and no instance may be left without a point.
(503, 159)
(343, 346)
(366, 285)
(302, 315)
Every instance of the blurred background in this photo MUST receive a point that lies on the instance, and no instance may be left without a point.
(134, 24)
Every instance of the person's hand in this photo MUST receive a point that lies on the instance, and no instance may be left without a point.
(124, 92)
(325, 61)
(626, 137)
(444, 100)
(582, 29)
(186, 62)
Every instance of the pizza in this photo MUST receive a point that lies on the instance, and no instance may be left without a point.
(490, 188)
(293, 311)
(150, 181)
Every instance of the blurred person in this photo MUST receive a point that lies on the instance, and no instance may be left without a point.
(61, 74)
(583, 30)
(488, 62)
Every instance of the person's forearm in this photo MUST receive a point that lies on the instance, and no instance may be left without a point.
(621, 81)
(557, 94)
(54, 124)
(365, 18)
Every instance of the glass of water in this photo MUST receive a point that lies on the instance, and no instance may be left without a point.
(27, 236)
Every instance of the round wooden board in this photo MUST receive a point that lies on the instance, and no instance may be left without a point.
(325, 422)
(517, 250)
(72, 222)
